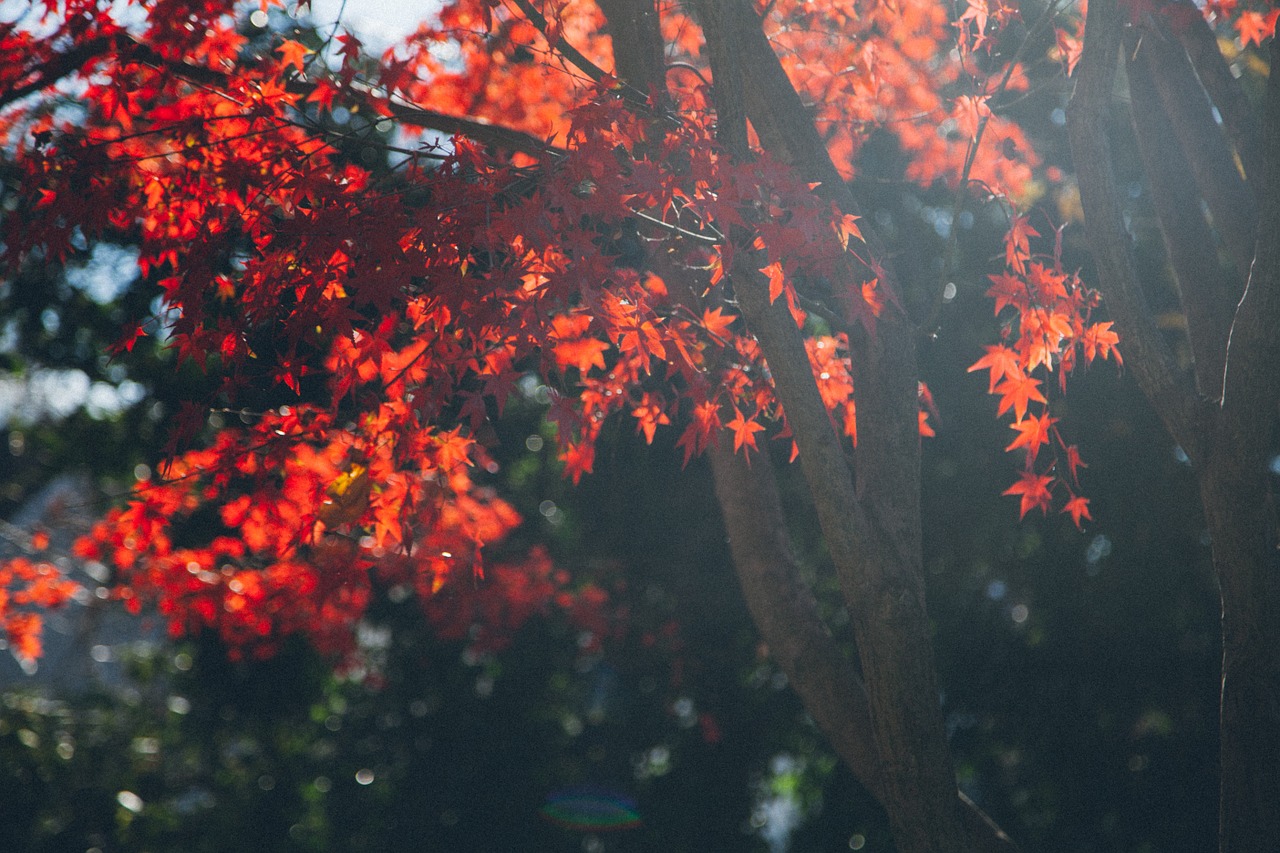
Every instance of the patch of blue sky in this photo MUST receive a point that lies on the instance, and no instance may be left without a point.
(109, 270)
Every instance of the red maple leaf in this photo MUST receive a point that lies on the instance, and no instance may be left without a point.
(1034, 491)
(1033, 433)
(1017, 392)
(744, 430)
(1078, 508)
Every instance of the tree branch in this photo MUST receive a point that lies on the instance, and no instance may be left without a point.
(1206, 293)
(134, 50)
(1230, 200)
(1253, 355)
(1171, 391)
(1224, 89)
(786, 614)
(59, 67)
(473, 128)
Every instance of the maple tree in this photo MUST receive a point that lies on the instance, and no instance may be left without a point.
(643, 211)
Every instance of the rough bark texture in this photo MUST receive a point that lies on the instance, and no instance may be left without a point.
(1208, 291)
(890, 731)
(786, 614)
(873, 538)
(1234, 489)
(1228, 442)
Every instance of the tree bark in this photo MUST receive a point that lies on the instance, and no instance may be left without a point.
(1201, 45)
(892, 739)
(1171, 390)
(786, 614)
(872, 532)
(1242, 522)
(1228, 442)
(1212, 164)
(1202, 282)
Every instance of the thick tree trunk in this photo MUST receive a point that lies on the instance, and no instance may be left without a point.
(1229, 442)
(1248, 567)
(1242, 523)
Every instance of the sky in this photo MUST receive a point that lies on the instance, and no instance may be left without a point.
(377, 22)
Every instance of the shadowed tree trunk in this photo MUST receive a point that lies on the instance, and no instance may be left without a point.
(885, 724)
(1221, 411)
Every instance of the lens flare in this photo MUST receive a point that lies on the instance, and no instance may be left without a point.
(591, 809)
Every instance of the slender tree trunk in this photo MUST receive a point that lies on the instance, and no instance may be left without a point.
(786, 614)
(889, 730)
(873, 531)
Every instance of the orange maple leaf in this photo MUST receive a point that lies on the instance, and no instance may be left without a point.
(1033, 433)
(701, 432)
(1099, 340)
(293, 53)
(1001, 361)
(1078, 507)
(717, 322)
(1017, 392)
(1254, 27)
(579, 458)
(650, 416)
(1008, 291)
(1034, 490)
(744, 430)
(1017, 243)
(1074, 463)
(776, 280)
(926, 431)
(847, 228)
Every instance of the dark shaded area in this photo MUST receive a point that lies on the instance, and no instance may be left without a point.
(1085, 724)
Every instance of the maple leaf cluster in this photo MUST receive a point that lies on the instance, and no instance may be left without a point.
(27, 586)
(308, 521)
(395, 310)
(1047, 328)
(384, 292)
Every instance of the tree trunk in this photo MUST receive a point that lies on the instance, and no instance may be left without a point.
(872, 532)
(1229, 442)
(786, 614)
(1240, 520)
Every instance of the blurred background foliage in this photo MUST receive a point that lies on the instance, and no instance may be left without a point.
(1079, 667)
